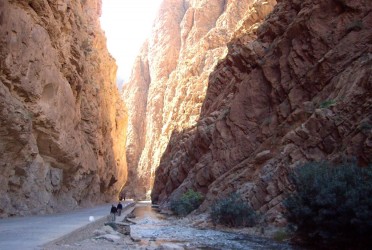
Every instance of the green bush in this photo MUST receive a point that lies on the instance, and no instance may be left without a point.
(281, 235)
(327, 104)
(332, 204)
(233, 211)
(188, 202)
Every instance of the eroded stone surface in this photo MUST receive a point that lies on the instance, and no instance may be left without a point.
(170, 79)
(63, 124)
(299, 92)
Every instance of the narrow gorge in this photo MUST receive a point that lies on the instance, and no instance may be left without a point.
(225, 96)
(230, 96)
(170, 78)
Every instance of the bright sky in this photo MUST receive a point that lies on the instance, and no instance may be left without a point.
(127, 24)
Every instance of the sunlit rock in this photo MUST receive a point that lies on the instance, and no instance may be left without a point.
(170, 79)
(232, 101)
(63, 124)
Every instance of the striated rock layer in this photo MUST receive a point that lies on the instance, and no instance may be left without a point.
(170, 77)
(301, 91)
(63, 124)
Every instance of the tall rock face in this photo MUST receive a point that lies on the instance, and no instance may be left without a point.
(301, 91)
(135, 95)
(170, 78)
(63, 124)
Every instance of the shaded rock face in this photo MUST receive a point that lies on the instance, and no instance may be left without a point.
(301, 91)
(170, 77)
(63, 124)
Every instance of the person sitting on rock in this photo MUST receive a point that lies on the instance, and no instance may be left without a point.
(119, 208)
(113, 213)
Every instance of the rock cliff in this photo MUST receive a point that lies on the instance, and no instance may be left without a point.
(170, 78)
(63, 124)
(300, 91)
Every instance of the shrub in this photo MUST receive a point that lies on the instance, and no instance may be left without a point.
(332, 204)
(188, 202)
(327, 104)
(233, 211)
(365, 126)
(281, 235)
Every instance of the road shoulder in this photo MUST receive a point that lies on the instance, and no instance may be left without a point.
(86, 231)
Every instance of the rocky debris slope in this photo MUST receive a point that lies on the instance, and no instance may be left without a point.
(63, 124)
(170, 77)
(301, 91)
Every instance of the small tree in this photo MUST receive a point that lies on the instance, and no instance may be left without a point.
(233, 211)
(332, 204)
(188, 202)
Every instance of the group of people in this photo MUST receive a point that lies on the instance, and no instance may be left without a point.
(115, 210)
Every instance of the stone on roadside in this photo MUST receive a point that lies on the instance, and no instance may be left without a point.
(109, 237)
(123, 228)
(98, 232)
(108, 229)
(170, 246)
(130, 220)
(135, 239)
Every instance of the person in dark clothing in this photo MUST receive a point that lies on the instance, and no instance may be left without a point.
(113, 213)
(119, 208)
(122, 197)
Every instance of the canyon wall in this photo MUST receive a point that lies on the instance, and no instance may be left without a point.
(170, 78)
(301, 91)
(63, 124)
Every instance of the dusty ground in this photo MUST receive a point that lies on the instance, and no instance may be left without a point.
(95, 236)
(153, 231)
